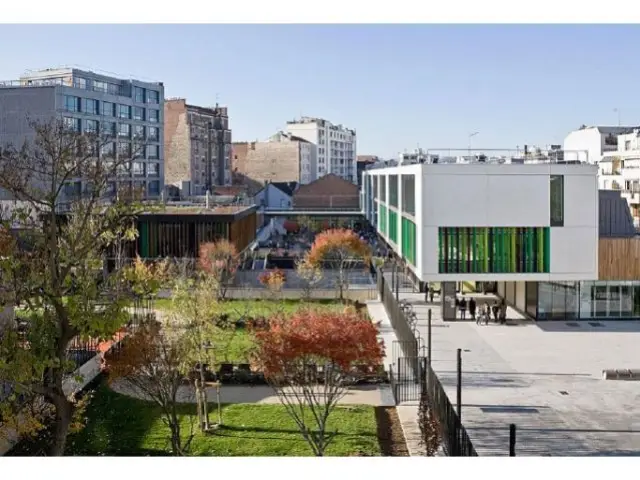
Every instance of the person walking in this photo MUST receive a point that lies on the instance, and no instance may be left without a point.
(496, 312)
(487, 313)
(431, 292)
(463, 308)
(481, 313)
(472, 308)
(503, 312)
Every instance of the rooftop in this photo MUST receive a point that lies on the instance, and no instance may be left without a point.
(200, 210)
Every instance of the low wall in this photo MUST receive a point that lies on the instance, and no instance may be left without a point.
(354, 294)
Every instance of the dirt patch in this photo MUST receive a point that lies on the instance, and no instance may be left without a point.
(390, 434)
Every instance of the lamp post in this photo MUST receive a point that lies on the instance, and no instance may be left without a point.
(471, 135)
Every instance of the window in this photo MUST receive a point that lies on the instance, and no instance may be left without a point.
(153, 96)
(109, 129)
(153, 169)
(124, 150)
(138, 113)
(99, 86)
(91, 106)
(80, 82)
(124, 130)
(383, 187)
(71, 104)
(124, 111)
(153, 134)
(154, 187)
(108, 150)
(154, 116)
(72, 124)
(627, 145)
(108, 109)
(153, 152)
(91, 126)
(113, 89)
(138, 94)
(138, 169)
(556, 193)
(393, 190)
(408, 194)
(138, 132)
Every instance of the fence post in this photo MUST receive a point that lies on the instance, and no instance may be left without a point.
(393, 277)
(458, 437)
(429, 337)
(512, 440)
(398, 288)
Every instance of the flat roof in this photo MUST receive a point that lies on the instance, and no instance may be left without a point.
(230, 211)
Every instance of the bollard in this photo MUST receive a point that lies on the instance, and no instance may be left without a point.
(429, 337)
(512, 440)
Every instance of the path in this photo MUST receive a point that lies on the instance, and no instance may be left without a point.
(545, 378)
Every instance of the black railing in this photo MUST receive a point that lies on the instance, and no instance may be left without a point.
(456, 442)
(405, 333)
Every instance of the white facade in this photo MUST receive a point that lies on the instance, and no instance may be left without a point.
(271, 197)
(492, 197)
(589, 144)
(336, 146)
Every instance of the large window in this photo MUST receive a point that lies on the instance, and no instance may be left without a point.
(153, 96)
(124, 150)
(113, 89)
(154, 115)
(153, 134)
(124, 111)
(138, 93)
(91, 106)
(409, 240)
(409, 194)
(91, 126)
(108, 109)
(494, 250)
(383, 188)
(393, 190)
(124, 130)
(109, 129)
(374, 181)
(99, 86)
(71, 104)
(153, 152)
(382, 214)
(153, 169)
(108, 150)
(72, 124)
(393, 226)
(138, 132)
(138, 113)
(556, 189)
(138, 169)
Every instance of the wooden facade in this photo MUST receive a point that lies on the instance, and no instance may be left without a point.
(619, 259)
(243, 231)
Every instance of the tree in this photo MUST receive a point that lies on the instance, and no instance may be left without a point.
(152, 362)
(219, 259)
(341, 249)
(273, 280)
(205, 338)
(62, 226)
(291, 348)
(311, 275)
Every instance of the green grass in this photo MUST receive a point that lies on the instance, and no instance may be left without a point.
(259, 308)
(118, 425)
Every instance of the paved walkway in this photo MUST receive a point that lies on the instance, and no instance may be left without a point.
(545, 377)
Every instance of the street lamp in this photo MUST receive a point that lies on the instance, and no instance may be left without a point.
(471, 135)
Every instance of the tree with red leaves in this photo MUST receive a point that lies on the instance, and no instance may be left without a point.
(341, 249)
(273, 280)
(220, 260)
(311, 360)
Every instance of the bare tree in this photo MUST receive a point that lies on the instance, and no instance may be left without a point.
(62, 222)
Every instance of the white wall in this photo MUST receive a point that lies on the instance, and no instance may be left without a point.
(588, 139)
(481, 195)
(273, 197)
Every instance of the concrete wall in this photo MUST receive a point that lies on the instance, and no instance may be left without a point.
(587, 139)
(177, 145)
(492, 195)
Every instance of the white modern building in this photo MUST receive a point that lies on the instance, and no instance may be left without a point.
(488, 222)
(590, 144)
(336, 146)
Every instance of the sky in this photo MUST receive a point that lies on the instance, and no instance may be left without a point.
(399, 86)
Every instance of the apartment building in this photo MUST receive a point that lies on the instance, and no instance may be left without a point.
(197, 142)
(362, 161)
(590, 144)
(130, 112)
(282, 158)
(336, 145)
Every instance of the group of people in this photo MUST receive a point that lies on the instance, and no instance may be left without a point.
(499, 311)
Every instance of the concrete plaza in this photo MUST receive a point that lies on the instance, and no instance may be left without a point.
(545, 377)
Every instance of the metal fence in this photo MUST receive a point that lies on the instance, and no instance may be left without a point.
(456, 442)
(404, 331)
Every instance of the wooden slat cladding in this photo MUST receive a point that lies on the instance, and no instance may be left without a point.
(619, 259)
(243, 232)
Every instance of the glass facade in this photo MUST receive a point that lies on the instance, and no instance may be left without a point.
(584, 300)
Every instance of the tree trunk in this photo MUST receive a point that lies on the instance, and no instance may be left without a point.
(64, 415)
(176, 441)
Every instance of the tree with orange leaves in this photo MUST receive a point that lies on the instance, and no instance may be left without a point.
(219, 259)
(273, 280)
(341, 249)
(290, 351)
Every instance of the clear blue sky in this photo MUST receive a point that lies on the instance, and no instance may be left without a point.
(398, 85)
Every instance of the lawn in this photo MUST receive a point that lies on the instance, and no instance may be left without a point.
(118, 425)
(237, 309)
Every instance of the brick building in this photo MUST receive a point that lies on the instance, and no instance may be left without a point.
(283, 158)
(197, 144)
(328, 192)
